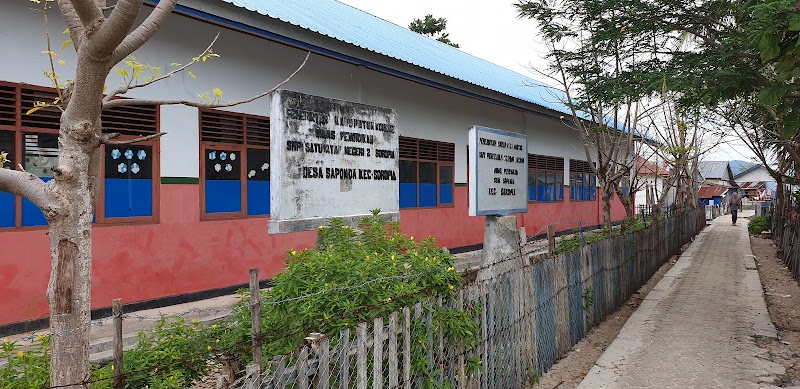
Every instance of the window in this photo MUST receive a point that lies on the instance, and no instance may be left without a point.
(129, 189)
(234, 151)
(582, 181)
(545, 178)
(130, 172)
(426, 173)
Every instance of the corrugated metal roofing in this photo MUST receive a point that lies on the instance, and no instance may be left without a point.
(714, 169)
(351, 25)
(707, 192)
(741, 167)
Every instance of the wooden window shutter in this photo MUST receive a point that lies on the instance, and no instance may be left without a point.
(545, 162)
(133, 120)
(428, 149)
(257, 131)
(408, 147)
(447, 152)
(221, 127)
(8, 105)
(45, 118)
(578, 166)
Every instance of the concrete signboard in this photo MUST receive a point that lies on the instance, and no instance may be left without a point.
(330, 158)
(498, 172)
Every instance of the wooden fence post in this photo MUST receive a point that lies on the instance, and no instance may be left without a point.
(119, 374)
(317, 343)
(255, 315)
(551, 239)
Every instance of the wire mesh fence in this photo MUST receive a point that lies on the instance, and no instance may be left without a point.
(527, 318)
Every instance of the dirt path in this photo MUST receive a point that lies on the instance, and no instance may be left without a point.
(782, 294)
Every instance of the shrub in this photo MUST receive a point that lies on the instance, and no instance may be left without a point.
(25, 368)
(757, 224)
(350, 277)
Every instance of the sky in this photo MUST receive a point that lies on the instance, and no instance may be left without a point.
(490, 29)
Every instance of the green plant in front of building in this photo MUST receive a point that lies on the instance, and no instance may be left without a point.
(3, 159)
(576, 240)
(354, 276)
(170, 356)
(351, 276)
(25, 367)
(757, 224)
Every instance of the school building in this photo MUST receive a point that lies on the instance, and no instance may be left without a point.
(185, 216)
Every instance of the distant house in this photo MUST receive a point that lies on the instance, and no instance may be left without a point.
(717, 182)
(712, 194)
(651, 177)
(754, 180)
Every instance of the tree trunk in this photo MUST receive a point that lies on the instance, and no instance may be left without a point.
(77, 176)
(69, 291)
(605, 195)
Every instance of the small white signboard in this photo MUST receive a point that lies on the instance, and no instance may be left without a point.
(498, 172)
(330, 158)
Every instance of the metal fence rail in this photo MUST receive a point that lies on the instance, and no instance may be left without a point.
(528, 317)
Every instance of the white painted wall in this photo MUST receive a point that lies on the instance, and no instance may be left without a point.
(655, 183)
(250, 65)
(758, 174)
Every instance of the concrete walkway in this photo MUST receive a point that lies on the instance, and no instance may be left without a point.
(697, 328)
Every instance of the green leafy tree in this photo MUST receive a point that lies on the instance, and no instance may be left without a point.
(606, 115)
(104, 35)
(432, 27)
(710, 52)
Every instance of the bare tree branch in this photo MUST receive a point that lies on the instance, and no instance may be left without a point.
(106, 140)
(124, 89)
(73, 22)
(89, 13)
(134, 102)
(116, 27)
(145, 31)
(31, 188)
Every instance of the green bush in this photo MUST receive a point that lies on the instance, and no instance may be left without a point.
(25, 368)
(757, 224)
(352, 276)
(631, 225)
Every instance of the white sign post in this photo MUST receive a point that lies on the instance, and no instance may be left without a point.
(498, 186)
(498, 174)
(330, 158)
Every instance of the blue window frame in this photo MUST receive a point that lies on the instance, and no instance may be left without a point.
(127, 193)
(582, 181)
(235, 159)
(426, 173)
(545, 178)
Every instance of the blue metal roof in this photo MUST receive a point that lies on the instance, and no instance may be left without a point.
(741, 167)
(351, 25)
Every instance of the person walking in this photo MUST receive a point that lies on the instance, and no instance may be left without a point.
(734, 204)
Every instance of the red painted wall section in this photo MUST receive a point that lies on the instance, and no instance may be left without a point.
(182, 255)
